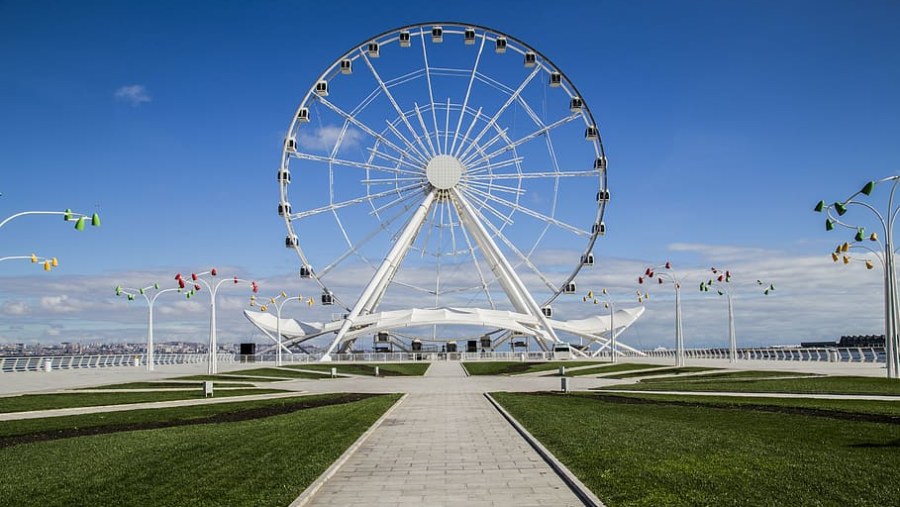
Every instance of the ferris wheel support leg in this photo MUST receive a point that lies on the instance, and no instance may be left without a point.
(371, 294)
(503, 270)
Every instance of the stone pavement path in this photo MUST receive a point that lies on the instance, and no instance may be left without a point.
(444, 449)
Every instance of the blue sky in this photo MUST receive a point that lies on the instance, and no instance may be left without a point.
(724, 123)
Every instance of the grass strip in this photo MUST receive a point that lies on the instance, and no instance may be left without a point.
(258, 462)
(612, 368)
(735, 374)
(517, 367)
(234, 415)
(28, 402)
(664, 371)
(384, 369)
(657, 454)
(839, 409)
(813, 385)
(167, 385)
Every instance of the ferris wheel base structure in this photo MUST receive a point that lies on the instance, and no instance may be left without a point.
(595, 329)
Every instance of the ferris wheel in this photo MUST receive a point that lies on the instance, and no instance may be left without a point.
(458, 151)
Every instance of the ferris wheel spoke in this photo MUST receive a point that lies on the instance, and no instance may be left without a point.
(484, 283)
(426, 239)
(524, 258)
(365, 128)
(430, 92)
(501, 134)
(408, 196)
(447, 125)
(355, 247)
(385, 156)
(500, 188)
(530, 212)
(539, 132)
(352, 163)
(479, 170)
(390, 97)
(426, 134)
(350, 202)
(421, 155)
(452, 229)
(484, 204)
(524, 176)
(462, 111)
(490, 124)
(382, 181)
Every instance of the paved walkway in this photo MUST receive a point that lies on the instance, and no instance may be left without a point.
(445, 449)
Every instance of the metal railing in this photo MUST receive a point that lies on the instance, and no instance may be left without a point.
(50, 363)
(829, 354)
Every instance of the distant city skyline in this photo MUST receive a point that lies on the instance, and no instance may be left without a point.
(724, 125)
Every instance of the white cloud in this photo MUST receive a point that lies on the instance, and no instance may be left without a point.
(324, 138)
(133, 94)
(13, 308)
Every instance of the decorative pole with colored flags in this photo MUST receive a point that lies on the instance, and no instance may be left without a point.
(213, 289)
(885, 254)
(278, 303)
(721, 283)
(664, 274)
(130, 293)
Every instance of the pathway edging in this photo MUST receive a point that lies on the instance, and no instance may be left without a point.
(581, 491)
(313, 488)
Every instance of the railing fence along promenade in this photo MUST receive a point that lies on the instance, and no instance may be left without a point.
(40, 363)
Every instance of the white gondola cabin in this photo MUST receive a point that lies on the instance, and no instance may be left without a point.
(327, 298)
(404, 39)
(587, 259)
(373, 49)
(322, 88)
(530, 59)
(306, 271)
(569, 288)
(303, 115)
(291, 144)
(346, 66)
(437, 34)
(603, 196)
(290, 241)
(500, 45)
(599, 229)
(469, 36)
(547, 311)
(600, 163)
(591, 133)
(284, 176)
(576, 104)
(284, 208)
(555, 79)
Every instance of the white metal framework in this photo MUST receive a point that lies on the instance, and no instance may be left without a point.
(463, 153)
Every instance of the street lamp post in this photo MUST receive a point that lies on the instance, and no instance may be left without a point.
(130, 293)
(67, 215)
(609, 304)
(47, 263)
(670, 276)
(278, 302)
(721, 282)
(213, 289)
(885, 254)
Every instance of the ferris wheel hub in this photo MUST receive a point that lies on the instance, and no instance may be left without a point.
(444, 171)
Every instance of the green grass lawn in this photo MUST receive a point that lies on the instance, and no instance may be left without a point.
(664, 371)
(662, 454)
(167, 385)
(612, 368)
(516, 367)
(27, 402)
(385, 369)
(258, 375)
(889, 408)
(811, 385)
(260, 462)
(735, 374)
